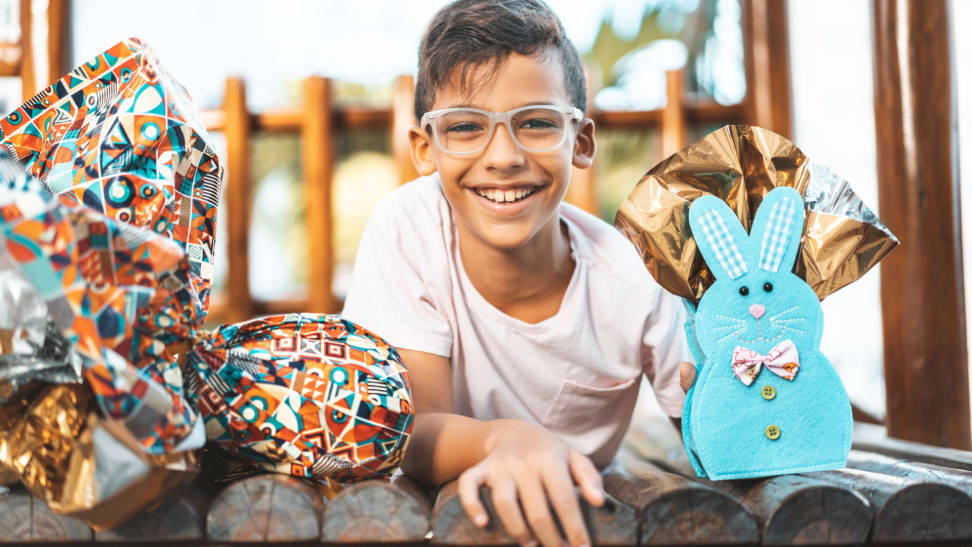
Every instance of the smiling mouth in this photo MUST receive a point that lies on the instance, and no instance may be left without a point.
(508, 195)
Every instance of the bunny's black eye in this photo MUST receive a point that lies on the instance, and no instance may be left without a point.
(767, 286)
(744, 290)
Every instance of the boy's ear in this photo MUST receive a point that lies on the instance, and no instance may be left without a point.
(585, 145)
(420, 144)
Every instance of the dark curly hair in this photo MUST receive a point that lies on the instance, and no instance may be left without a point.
(472, 33)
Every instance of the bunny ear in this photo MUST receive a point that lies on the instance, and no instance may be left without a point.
(720, 236)
(778, 227)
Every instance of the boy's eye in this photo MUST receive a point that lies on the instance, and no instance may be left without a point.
(744, 290)
(465, 127)
(538, 123)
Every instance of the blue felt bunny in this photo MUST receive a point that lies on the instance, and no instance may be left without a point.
(766, 401)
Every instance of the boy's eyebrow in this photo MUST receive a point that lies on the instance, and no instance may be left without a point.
(529, 103)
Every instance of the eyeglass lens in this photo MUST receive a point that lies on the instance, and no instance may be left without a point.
(534, 129)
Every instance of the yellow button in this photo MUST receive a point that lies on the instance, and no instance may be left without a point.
(772, 432)
(768, 392)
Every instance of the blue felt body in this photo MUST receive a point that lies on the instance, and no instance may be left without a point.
(724, 421)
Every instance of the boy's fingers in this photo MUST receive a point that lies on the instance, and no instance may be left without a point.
(468, 488)
(537, 510)
(564, 500)
(504, 494)
(587, 477)
(686, 373)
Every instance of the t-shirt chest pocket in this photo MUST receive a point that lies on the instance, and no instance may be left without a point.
(578, 407)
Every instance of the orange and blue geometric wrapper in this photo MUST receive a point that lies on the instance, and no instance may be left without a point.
(114, 227)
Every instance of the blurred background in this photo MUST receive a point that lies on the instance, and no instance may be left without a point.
(308, 102)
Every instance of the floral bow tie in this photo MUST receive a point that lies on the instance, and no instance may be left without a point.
(783, 360)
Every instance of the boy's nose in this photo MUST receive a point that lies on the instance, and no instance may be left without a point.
(502, 151)
(757, 310)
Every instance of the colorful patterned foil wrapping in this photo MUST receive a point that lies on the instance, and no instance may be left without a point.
(115, 234)
(842, 238)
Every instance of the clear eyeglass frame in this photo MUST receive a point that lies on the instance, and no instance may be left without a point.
(570, 113)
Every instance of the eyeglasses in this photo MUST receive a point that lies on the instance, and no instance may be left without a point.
(534, 128)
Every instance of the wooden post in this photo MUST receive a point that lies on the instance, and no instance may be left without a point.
(28, 80)
(582, 191)
(317, 139)
(236, 122)
(768, 100)
(673, 115)
(922, 293)
(58, 36)
(403, 118)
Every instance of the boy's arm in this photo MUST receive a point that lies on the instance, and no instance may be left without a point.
(523, 464)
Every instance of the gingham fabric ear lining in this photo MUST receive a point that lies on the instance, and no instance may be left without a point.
(776, 236)
(726, 250)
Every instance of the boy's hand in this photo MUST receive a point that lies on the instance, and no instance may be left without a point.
(527, 466)
(686, 375)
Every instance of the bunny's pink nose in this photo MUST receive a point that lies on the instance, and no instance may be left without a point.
(756, 310)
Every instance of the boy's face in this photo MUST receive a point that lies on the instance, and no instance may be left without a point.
(503, 168)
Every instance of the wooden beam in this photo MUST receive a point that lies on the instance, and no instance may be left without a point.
(317, 140)
(768, 101)
(582, 190)
(58, 38)
(237, 200)
(28, 80)
(922, 293)
(289, 120)
(873, 438)
(403, 118)
(673, 127)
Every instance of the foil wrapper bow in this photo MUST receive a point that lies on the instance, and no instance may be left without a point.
(114, 231)
(842, 239)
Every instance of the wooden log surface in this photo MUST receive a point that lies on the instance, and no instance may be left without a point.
(24, 518)
(181, 517)
(614, 523)
(266, 508)
(872, 438)
(908, 509)
(676, 510)
(798, 510)
(878, 463)
(395, 510)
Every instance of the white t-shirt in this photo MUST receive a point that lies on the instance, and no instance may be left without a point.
(576, 373)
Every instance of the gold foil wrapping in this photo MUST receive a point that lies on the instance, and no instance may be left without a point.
(842, 238)
(81, 464)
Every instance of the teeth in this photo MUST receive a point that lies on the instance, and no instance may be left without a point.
(503, 196)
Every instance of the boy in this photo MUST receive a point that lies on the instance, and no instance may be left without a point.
(526, 324)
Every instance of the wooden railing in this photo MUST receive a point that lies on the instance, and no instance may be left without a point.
(318, 120)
